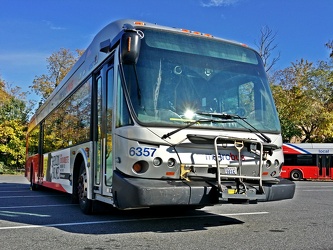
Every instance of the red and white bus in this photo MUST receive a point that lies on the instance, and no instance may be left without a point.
(308, 161)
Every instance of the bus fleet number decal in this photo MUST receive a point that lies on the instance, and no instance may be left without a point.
(139, 151)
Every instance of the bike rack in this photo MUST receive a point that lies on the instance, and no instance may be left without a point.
(239, 144)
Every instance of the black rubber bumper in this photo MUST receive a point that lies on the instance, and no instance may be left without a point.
(283, 190)
(135, 192)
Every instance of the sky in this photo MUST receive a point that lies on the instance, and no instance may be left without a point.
(31, 30)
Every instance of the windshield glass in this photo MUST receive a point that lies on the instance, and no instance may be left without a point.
(178, 76)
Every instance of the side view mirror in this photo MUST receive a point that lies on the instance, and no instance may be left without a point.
(130, 47)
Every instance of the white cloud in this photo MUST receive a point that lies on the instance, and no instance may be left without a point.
(218, 3)
(53, 27)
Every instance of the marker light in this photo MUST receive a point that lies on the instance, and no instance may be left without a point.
(196, 33)
(86, 150)
(139, 23)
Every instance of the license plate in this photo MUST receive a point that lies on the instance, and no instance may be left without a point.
(230, 170)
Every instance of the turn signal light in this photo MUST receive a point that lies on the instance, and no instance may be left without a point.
(140, 167)
(137, 167)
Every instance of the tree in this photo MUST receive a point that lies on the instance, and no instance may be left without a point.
(3, 93)
(14, 113)
(323, 83)
(266, 46)
(329, 45)
(12, 143)
(15, 106)
(15, 109)
(289, 125)
(303, 98)
(59, 64)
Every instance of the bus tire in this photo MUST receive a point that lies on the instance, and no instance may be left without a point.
(296, 175)
(85, 203)
(33, 186)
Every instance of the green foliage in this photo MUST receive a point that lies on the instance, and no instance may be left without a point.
(12, 143)
(3, 93)
(59, 64)
(303, 96)
(14, 112)
(13, 109)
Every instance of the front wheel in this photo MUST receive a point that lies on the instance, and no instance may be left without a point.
(82, 186)
(296, 175)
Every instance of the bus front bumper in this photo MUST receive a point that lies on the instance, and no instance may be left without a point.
(136, 192)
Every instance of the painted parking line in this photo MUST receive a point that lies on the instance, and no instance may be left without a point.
(314, 186)
(126, 220)
(29, 196)
(14, 191)
(39, 206)
(317, 190)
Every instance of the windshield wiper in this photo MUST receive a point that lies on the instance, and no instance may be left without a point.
(233, 118)
(190, 124)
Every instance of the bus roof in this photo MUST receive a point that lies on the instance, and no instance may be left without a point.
(94, 56)
(308, 148)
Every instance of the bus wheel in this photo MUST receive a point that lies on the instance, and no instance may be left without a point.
(85, 203)
(296, 175)
(33, 186)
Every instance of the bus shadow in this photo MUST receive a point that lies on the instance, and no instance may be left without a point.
(157, 220)
(49, 208)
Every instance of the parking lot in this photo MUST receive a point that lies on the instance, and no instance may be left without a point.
(47, 219)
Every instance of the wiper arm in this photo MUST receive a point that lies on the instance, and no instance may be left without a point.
(219, 115)
(189, 125)
(233, 117)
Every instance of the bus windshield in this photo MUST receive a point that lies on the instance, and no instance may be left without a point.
(179, 76)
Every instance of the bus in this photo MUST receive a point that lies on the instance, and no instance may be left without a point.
(155, 116)
(308, 161)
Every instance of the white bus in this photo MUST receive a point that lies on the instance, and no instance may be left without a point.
(159, 116)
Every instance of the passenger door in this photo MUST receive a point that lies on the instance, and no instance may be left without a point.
(104, 111)
(325, 165)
